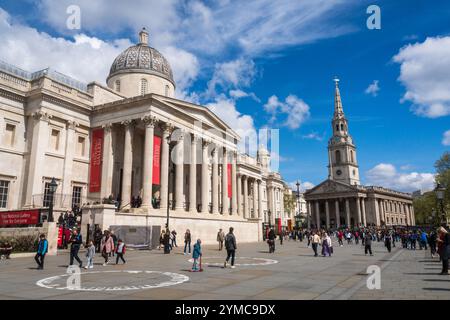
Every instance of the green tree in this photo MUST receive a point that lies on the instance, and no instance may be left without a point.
(289, 202)
(424, 206)
(443, 174)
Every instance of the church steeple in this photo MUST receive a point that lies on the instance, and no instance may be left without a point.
(341, 150)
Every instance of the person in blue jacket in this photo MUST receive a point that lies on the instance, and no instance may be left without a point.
(196, 254)
(41, 252)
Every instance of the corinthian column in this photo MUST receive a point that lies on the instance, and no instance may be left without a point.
(205, 177)
(147, 176)
(239, 194)
(255, 192)
(193, 176)
(260, 191)
(167, 129)
(245, 197)
(215, 182)
(225, 203)
(127, 163)
(179, 173)
(233, 184)
(358, 211)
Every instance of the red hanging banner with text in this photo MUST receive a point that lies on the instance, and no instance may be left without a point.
(95, 177)
(156, 173)
(230, 192)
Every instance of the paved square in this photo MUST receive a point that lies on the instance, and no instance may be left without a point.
(297, 274)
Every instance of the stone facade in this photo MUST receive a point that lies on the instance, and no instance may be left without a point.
(341, 200)
(47, 122)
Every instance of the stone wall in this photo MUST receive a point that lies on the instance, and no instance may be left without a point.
(49, 229)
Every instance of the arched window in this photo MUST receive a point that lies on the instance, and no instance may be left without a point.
(342, 127)
(118, 85)
(337, 127)
(143, 86)
(338, 156)
(167, 91)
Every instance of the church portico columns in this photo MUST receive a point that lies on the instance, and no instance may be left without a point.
(363, 207)
(260, 191)
(149, 123)
(308, 214)
(127, 163)
(239, 195)
(179, 172)
(338, 218)
(234, 195)
(225, 202)
(316, 209)
(358, 211)
(215, 181)
(327, 214)
(255, 203)
(347, 212)
(108, 161)
(246, 215)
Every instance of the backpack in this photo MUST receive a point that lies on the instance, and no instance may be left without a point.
(229, 241)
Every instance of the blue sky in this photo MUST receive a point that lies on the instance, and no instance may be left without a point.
(265, 63)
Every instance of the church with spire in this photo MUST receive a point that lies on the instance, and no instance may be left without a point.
(341, 200)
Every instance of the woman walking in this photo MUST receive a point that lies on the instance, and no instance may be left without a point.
(187, 241)
(326, 244)
(444, 239)
(107, 246)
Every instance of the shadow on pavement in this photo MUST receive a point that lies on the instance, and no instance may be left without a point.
(436, 280)
(436, 289)
(421, 274)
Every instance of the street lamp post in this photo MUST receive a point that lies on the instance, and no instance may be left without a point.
(168, 186)
(269, 214)
(52, 189)
(440, 195)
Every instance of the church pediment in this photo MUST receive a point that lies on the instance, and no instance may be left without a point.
(330, 186)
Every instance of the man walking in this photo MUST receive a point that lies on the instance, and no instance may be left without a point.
(220, 239)
(41, 252)
(315, 243)
(76, 242)
(230, 246)
(368, 243)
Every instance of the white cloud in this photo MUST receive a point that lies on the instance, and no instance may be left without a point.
(238, 94)
(314, 136)
(424, 72)
(386, 175)
(373, 88)
(446, 138)
(303, 185)
(295, 110)
(84, 58)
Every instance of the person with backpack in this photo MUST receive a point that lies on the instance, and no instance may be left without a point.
(230, 246)
(120, 251)
(75, 241)
(271, 240)
(41, 252)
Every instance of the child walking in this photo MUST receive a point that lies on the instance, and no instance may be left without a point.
(196, 254)
(120, 251)
(90, 253)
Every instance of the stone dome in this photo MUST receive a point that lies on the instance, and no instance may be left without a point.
(141, 58)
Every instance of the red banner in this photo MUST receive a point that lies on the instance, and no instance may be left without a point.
(95, 179)
(156, 173)
(230, 191)
(60, 237)
(278, 223)
(8, 218)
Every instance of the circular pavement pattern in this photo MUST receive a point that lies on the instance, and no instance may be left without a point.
(239, 261)
(116, 280)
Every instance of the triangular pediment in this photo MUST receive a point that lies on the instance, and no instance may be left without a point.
(331, 186)
(198, 112)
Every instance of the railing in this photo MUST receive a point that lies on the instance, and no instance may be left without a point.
(63, 201)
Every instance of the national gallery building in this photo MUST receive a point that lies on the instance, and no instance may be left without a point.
(130, 152)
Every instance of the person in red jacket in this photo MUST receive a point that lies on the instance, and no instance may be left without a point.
(120, 251)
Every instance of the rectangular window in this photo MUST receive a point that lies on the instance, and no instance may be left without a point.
(4, 188)
(81, 146)
(47, 195)
(54, 140)
(10, 135)
(76, 197)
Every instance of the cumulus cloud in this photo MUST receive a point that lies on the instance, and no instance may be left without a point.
(386, 175)
(446, 138)
(314, 136)
(294, 109)
(373, 88)
(303, 185)
(424, 72)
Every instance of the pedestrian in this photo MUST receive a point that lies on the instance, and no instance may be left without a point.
(166, 242)
(90, 254)
(368, 244)
(423, 240)
(75, 241)
(41, 252)
(356, 237)
(388, 241)
(174, 239)
(271, 240)
(107, 245)
(120, 251)
(114, 237)
(196, 254)
(161, 239)
(220, 239)
(432, 243)
(444, 239)
(230, 246)
(187, 241)
(98, 235)
(326, 244)
(349, 237)
(340, 238)
(6, 249)
(315, 243)
(281, 235)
